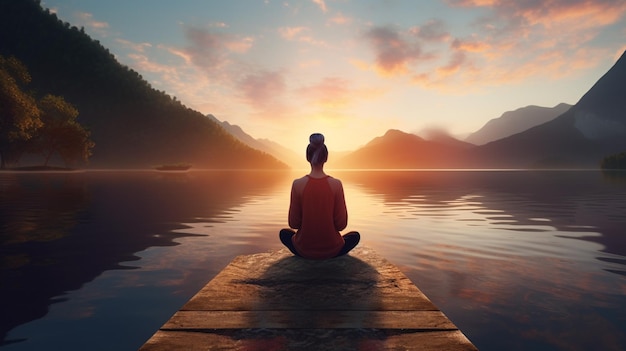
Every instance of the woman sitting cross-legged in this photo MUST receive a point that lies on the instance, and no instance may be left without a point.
(318, 211)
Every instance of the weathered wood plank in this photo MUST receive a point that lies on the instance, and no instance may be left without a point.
(310, 339)
(309, 319)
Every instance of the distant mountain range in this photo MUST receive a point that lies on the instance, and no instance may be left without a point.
(513, 122)
(593, 128)
(270, 147)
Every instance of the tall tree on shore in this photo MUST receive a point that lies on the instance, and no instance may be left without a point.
(60, 132)
(19, 113)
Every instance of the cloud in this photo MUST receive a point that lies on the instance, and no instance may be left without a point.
(86, 20)
(340, 19)
(291, 33)
(262, 89)
(137, 47)
(336, 93)
(394, 51)
(321, 4)
(433, 30)
(330, 92)
(511, 42)
(299, 34)
(567, 17)
(211, 50)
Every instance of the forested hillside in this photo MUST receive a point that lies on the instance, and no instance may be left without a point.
(131, 123)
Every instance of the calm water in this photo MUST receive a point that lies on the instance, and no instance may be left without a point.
(519, 260)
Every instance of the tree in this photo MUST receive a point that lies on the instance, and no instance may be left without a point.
(617, 161)
(19, 114)
(61, 133)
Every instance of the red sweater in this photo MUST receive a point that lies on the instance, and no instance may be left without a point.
(318, 211)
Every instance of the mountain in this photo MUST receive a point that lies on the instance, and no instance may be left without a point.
(593, 128)
(397, 149)
(270, 147)
(513, 122)
(580, 137)
(131, 123)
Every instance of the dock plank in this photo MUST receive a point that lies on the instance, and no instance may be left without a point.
(275, 301)
(200, 320)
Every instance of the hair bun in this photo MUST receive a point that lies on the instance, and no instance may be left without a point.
(316, 139)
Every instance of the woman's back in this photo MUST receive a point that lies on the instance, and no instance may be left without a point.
(318, 211)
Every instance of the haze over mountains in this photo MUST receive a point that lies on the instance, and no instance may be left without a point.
(270, 147)
(593, 128)
(513, 122)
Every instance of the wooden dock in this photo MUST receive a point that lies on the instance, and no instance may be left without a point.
(275, 301)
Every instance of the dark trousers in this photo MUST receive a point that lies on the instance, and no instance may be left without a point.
(351, 240)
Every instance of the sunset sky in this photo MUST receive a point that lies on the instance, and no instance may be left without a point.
(352, 69)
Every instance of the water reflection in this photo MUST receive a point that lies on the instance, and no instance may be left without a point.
(523, 201)
(62, 230)
(518, 260)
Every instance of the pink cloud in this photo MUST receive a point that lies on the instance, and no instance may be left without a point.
(291, 33)
(88, 20)
(470, 45)
(299, 34)
(335, 93)
(454, 65)
(137, 47)
(516, 40)
(340, 19)
(263, 88)
(433, 30)
(576, 15)
(321, 4)
(394, 51)
(330, 92)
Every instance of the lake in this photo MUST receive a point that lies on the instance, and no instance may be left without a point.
(518, 260)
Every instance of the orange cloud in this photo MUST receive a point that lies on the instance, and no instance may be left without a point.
(337, 93)
(472, 3)
(290, 33)
(137, 47)
(471, 45)
(298, 34)
(433, 30)
(330, 92)
(88, 20)
(514, 41)
(340, 19)
(575, 15)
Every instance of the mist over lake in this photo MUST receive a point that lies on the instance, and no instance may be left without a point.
(516, 259)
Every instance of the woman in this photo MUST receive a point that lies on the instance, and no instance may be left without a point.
(318, 210)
